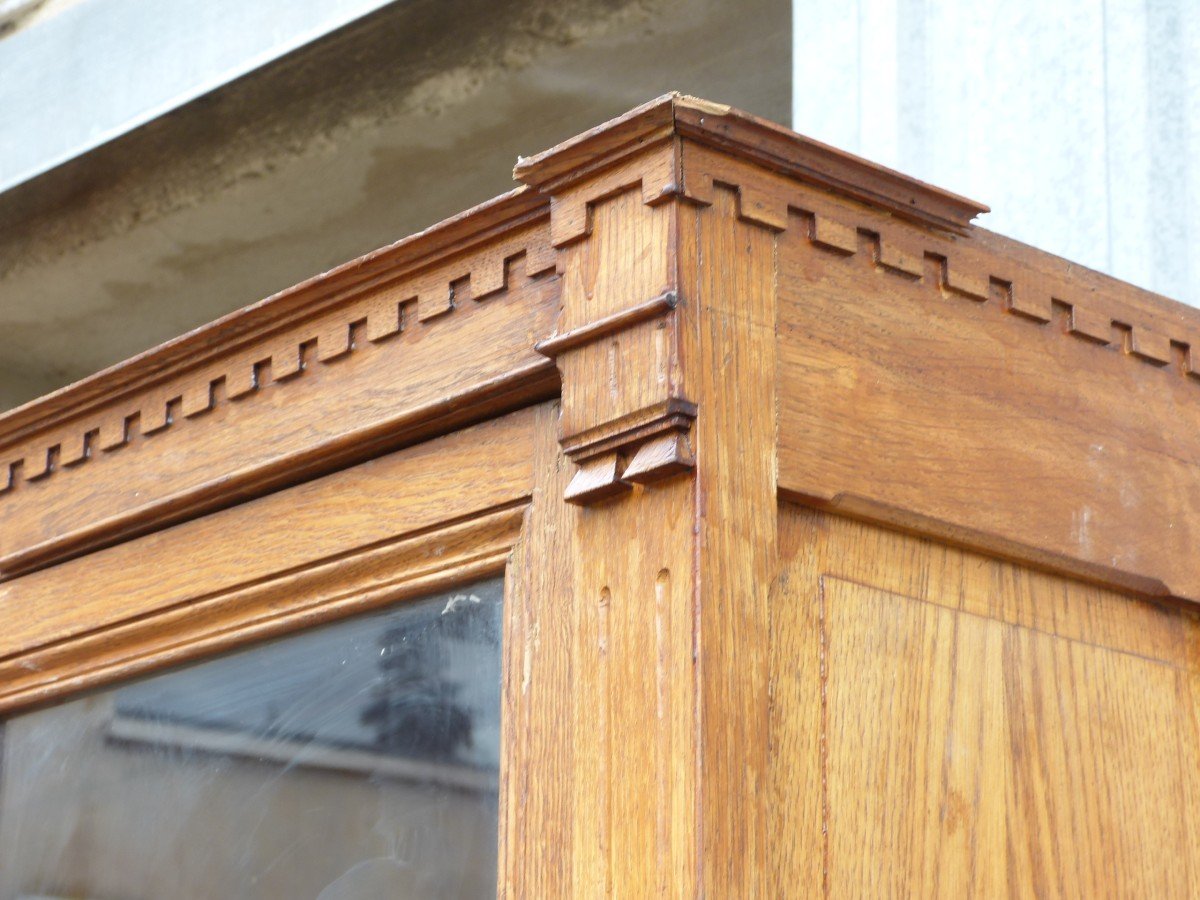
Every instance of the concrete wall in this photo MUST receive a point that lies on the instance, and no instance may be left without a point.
(381, 129)
(1077, 121)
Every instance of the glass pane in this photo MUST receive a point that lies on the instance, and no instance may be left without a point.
(354, 760)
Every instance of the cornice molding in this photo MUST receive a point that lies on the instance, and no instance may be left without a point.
(256, 323)
(748, 137)
(963, 261)
(382, 332)
(978, 266)
(375, 312)
(430, 334)
(774, 181)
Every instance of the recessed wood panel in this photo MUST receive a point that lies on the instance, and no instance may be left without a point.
(970, 757)
(946, 724)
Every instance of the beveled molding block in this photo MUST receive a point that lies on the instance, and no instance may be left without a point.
(641, 447)
(644, 447)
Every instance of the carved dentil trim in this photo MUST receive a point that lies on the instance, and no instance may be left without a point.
(375, 316)
(907, 252)
(900, 248)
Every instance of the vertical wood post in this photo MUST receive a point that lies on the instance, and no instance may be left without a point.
(665, 344)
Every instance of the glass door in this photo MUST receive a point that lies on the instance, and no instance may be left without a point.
(357, 759)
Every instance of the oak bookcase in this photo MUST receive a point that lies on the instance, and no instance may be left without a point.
(848, 548)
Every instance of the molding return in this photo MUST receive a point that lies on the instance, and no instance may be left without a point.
(779, 176)
(1022, 296)
(641, 433)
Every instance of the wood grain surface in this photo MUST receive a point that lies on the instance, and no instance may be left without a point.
(406, 355)
(668, 581)
(327, 547)
(946, 724)
(603, 385)
(903, 399)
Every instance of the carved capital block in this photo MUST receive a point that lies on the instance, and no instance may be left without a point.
(642, 448)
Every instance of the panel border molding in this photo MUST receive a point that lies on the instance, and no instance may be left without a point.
(396, 548)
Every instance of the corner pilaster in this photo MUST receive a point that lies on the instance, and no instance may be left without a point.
(665, 347)
(626, 418)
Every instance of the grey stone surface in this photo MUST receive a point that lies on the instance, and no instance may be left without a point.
(1077, 121)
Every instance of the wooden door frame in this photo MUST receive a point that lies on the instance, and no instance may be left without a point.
(601, 384)
(383, 531)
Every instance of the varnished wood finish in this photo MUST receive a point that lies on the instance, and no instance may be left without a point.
(616, 384)
(765, 143)
(993, 395)
(349, 541)
(633, 800)
(413, 339)
(945, 724)
(537, 823)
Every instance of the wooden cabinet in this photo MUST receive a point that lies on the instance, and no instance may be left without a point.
(846, 547)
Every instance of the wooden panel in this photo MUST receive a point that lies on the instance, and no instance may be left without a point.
(234, 572)
(911, 403)
(969, 757)
(951, 725)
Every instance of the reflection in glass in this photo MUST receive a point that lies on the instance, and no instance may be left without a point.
(355, 760)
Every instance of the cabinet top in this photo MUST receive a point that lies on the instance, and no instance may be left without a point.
(440, 329)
